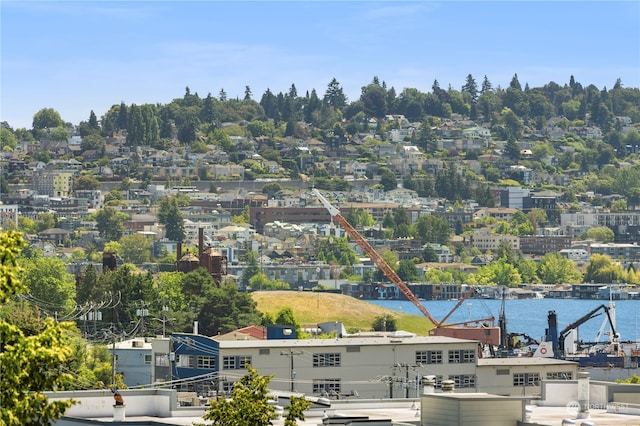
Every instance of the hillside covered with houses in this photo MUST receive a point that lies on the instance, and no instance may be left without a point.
(518, 186)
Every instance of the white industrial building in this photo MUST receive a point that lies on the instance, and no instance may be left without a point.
(383, 366)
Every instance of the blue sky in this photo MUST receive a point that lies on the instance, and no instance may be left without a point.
(81, 56)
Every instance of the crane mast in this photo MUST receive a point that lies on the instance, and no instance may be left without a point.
(371, 252)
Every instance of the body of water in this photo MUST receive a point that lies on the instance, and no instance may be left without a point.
(530, 316)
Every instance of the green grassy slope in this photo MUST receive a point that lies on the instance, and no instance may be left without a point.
(312, 307)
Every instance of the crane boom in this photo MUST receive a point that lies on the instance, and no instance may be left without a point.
(465, 297)
(371, 252)
(592, 314)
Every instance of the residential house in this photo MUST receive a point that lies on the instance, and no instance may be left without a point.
(93, 197)
(400, 135)
(477, 132)
(234, 232)
(578, 255)
(55, 235)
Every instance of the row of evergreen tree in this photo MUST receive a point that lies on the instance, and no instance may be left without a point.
(146, 124)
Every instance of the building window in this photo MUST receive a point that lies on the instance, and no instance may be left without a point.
(469, 356)
(428, 357)
(326, 360)
(326, 387)
(238, 362)
(264, 352)
(244, 361)
(503, 372)
(162, 360)
(353, 348)
(184, 361)
(464, 380)
(207, 362)
(526, 379)
(227, 387)
(147, 359)
(466, 356)
(229, 363)
(559, 375)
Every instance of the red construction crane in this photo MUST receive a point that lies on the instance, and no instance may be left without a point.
(368, 249)
(484, 331)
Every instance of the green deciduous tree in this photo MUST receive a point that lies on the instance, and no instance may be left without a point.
(429, 254)
(432, 229)
(46, 221)
(557, 269)
(384, 323)
(110, 223)
(528, 271)
(50, 284)
(407, 271)
(226, 309)
(285, 316)
(86, 182)
(7, 139)
(249, 404)
(388, 179)
(336, 250)
(602, 269)
(58, 134)
(47, 118)
(11, 243)
(602, 234)
(499, 273)
(261, 282)
(243, 218)
(135, 248)
(86, 285)
(29, 364)
(360, 217)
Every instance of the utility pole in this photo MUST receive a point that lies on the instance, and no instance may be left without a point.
(113, 355)
(164, 320)
(292, 373)
(113, 337)
(142, 312)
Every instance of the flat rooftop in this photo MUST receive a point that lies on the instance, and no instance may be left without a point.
(406, 411)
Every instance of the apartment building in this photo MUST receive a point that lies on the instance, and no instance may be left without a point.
(484, 240)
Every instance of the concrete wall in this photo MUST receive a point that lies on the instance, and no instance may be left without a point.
(557, 393)
(99, 403)
(471, 410)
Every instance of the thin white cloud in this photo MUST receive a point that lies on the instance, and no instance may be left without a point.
(400, 10)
